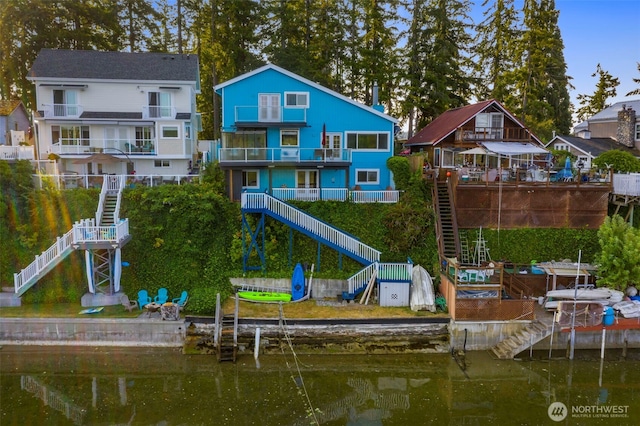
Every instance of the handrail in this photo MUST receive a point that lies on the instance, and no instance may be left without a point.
(103, 196)
(312, 226)
(362, 276)
(62, 246)
(235, 327)
(454, 220)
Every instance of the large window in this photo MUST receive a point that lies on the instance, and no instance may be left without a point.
(250, 179)
(269, 107)
(70, 135)
(256, 138)
(296, 99)
(367, 176)
(378, 141)
(490, 124)
(144, 137)
(289, 137)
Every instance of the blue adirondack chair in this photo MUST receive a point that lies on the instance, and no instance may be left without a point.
(182, 300)
(162, 296)
(143, 299)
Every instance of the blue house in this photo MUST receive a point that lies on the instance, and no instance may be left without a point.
(295, 139)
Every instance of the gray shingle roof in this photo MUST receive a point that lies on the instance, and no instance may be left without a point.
(596, 146)
(92, 64)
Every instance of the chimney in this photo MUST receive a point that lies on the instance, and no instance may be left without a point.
(376, 105)
(626, 126)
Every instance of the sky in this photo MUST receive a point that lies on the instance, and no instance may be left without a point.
(605, 32)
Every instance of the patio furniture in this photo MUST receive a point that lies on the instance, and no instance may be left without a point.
(143, 298)
(129, 305)
(162, 296)
(182, 300)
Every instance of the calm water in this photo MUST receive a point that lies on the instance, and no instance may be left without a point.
(106, 386)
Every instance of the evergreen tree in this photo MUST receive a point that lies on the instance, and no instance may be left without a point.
(140, 20)
(495, 50)
(605, 89)
(637, 81)
(541, 96)
(446, 66)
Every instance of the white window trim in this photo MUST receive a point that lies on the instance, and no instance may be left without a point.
(286, 105)
(389, 142)
(376, 182)
(166, 126)
(297, 132)
(163, 164)
(637, 132)
(257, 185)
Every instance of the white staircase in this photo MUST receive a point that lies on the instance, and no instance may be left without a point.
(85, 233)
(310, 226)
(522, 340)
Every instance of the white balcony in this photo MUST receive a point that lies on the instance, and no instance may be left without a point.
(82, 146)
(158, 112)
(62, 110)
(284, 155)
(271, 114)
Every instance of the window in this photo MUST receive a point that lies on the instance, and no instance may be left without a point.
(269, 107)
(70, 135)
(436, 157)
(65, 103)
(490, 124)
(187, 130)
(245, 139)
(250, 179)
(144, 137)
(296, 99)
(379, 141)
(561, 147)
(367, 176)
(170, 132)
(289, 137)
(638, 131)
(159, 104)
(161, 163)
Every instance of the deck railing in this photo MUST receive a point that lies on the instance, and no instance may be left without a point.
(313, 226)
(17, 153)
(626, 184)
(284, 155)
(84, 231)
(336, 194)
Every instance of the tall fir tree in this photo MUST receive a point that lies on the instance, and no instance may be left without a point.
(494, 51)
(605, 89)
(541, 96)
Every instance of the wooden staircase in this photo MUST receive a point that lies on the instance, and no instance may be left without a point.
(448, 239)
(226, 333)
(522, 340)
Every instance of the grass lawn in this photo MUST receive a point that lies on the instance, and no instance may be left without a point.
(306, 309)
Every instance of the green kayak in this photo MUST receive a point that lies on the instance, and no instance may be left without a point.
(264, 296)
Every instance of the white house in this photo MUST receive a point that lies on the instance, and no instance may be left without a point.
(117, 112)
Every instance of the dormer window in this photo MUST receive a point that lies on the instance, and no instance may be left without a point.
(296, 99)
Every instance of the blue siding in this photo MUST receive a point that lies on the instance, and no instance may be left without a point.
(325, 109)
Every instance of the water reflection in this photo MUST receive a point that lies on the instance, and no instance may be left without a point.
(59, 386)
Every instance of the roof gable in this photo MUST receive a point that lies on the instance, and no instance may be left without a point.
(593, 146)
(258, 71)
(450, 120)
(93, 64)
(9, 106)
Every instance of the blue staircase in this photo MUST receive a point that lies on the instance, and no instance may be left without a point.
(310, 226)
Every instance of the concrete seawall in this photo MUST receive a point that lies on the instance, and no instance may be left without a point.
(92, 332)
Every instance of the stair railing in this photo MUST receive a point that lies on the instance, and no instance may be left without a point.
(439, 236)
(103, 196)
(22, 279)
(312, 225)
(454, 220)
(360, 279)
(121, 184)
